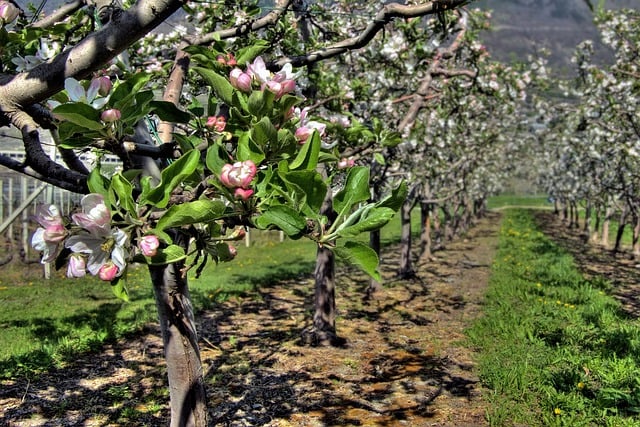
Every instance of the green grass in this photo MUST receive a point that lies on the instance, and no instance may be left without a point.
(45, 324)
(556, 350)
(504, 200)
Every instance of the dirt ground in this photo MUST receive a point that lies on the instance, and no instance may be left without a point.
(404, 362)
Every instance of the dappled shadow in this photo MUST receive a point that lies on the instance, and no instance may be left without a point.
(596, 262)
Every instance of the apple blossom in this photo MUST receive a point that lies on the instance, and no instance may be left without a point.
(8, 12)
(108, 272)
(111, 115)
(240, 80)
(346, 163)
(51, 233)
(149, 245)
(307, 126)
(77, 266)
(240, 174)
(243, 194)
(95, 216)
(218, 123)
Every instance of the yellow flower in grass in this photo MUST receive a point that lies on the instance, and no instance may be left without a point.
(557, 411)
(580, 385)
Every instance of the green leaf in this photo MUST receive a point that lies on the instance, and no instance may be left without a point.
(379, 158)
(119, 288)
(359, 255)
(396, 198)
(168, 255)
(312, 184)
(264, 133)
(355, 190)
(376, 218)
(307, 158)
(216, 158)
(198, 211)
(218, 83)
(100, 184)
(79, 114)
(249, 150)
(168, 112)
(126, 91)
(260, 102)
(249, 53)
(284, 218)
(171, 177)
(124, 192)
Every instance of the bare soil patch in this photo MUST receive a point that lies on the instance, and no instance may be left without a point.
(404, 362)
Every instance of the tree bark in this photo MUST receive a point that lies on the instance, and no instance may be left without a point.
(426, 210)
(181, 351)
(406, 270)
(622, 222)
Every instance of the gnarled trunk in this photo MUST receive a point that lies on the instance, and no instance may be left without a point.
(181, 351)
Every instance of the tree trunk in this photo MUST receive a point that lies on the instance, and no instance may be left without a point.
(426, 210)
(605, 226)
(374, 243)
(621, 225)
(323, 330)
(184, 369)
(406, 270)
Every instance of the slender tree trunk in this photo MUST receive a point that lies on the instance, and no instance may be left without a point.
(606, 225)
(323, 329)
(406, 269)
(184, 369)
(596, 226)
(621, 225)
(374, 243)
(425, 233)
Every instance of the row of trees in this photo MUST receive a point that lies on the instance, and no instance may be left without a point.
(319, 119)
(588, 142)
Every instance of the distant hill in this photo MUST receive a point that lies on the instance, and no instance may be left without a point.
(520, 27)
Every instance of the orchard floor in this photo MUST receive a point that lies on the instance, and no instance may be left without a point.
(404, 362)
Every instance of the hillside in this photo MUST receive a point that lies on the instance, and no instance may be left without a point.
(520, 27)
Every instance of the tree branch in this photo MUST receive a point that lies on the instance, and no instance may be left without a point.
(388, 12)
(59, 14)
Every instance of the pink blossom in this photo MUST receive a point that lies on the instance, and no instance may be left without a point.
(77, 266)
(149, 245)
(238, 234)
(8, 12)
(346, 163)
(51, 233)
(239, 174)
(217, 123)
(307, 127)
(243, 194)
(233, 251)
(103, 84)
(258, 70)
(108, 272)
(240, 80)
(111, 115)
(95, 216)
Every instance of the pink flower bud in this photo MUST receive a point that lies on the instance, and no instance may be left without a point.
(216, 122)
(240, 80)
(239, 174)
(77, 266)
(8, 12)
(108, 272)
(111, 115)
(243, 194)
(233, 251)
(149, 245)
(238, 234)
(105, 85)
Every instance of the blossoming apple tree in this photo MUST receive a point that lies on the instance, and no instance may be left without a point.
(246, 156)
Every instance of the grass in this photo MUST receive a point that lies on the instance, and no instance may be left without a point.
(46, 323)
(555, 348)
(510, 200)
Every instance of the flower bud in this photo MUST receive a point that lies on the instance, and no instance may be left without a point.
(243, 194)
(77, 266)
(111, 115)
(108, 272)
(218, 123)
(238, 234)
(8, 12)
(149, 245)
(346, 163)
(240, 80)
(239, 174)
(105, 85)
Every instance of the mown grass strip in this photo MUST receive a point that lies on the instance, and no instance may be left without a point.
(555, 348)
